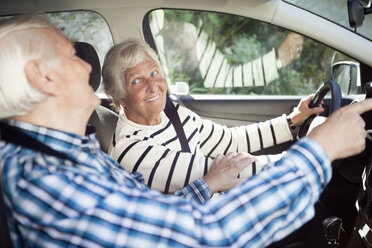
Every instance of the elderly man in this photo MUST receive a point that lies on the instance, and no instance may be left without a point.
(66, 192)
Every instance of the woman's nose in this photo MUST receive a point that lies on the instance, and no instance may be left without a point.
(151, 85)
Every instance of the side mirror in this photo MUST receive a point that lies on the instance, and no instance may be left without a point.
(356, 12)
(347, 75)
(179, 89)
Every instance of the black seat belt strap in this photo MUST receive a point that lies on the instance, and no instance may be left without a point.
(171, 112)
(16, 136)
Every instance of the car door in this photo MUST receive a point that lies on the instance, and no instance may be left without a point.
(235, 70)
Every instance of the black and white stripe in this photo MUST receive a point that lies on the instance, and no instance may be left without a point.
(155, 151)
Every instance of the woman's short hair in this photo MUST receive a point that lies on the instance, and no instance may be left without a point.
(18, 45)
(118, 59)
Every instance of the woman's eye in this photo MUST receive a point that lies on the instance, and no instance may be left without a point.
(154, 73)
(135, 81)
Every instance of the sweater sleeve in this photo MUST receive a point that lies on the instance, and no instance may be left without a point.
(162, 168)
(216, 138)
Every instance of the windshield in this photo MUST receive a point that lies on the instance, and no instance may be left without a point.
(335, 11)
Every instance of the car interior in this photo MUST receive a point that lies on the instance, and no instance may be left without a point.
(103, 119)
(343, 81)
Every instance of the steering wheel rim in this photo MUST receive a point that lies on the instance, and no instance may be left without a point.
(336, 97)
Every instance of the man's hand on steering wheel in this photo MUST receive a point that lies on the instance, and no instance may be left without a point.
(303, 111)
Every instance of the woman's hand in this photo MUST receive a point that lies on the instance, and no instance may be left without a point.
(224, 171)
(302, 111)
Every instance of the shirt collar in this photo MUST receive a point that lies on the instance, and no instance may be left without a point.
(60, 140)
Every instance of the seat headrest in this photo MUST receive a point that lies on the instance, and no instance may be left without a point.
(87, 52)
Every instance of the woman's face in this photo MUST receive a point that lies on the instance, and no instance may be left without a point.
(146, 92)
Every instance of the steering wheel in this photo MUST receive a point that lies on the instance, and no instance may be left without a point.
(329, 85)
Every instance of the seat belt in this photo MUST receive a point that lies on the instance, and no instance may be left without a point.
(16, 136)
(171, 112)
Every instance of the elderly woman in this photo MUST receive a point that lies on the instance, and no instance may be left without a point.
(145, 140)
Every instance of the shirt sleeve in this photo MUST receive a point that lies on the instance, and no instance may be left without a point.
(62, 209)
(197, 191)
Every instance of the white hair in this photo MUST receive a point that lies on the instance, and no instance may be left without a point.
(19, 43)
(118, 59)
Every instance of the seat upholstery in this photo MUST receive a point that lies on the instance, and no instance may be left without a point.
(102, 119)
(87, 52)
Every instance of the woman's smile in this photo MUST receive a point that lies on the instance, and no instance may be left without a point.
(153, 98)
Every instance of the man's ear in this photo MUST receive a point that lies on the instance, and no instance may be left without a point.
(37, 76)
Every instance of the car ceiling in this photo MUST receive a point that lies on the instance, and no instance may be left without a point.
(125, 17)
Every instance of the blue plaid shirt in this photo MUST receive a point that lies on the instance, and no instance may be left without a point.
(87, 200)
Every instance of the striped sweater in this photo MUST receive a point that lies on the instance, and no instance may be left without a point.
(155, 151)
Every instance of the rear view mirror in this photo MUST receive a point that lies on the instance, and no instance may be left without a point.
(357, 11)
(347, 75)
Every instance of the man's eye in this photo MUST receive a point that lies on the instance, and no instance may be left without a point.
(154, 73)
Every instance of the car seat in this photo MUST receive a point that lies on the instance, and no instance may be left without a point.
(102, 119)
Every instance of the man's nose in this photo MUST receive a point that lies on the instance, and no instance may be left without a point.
(87, 65)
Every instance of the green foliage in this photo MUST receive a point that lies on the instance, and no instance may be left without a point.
(244, 49)
(242, 40)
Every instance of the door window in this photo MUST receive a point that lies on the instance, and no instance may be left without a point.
(217, 53)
